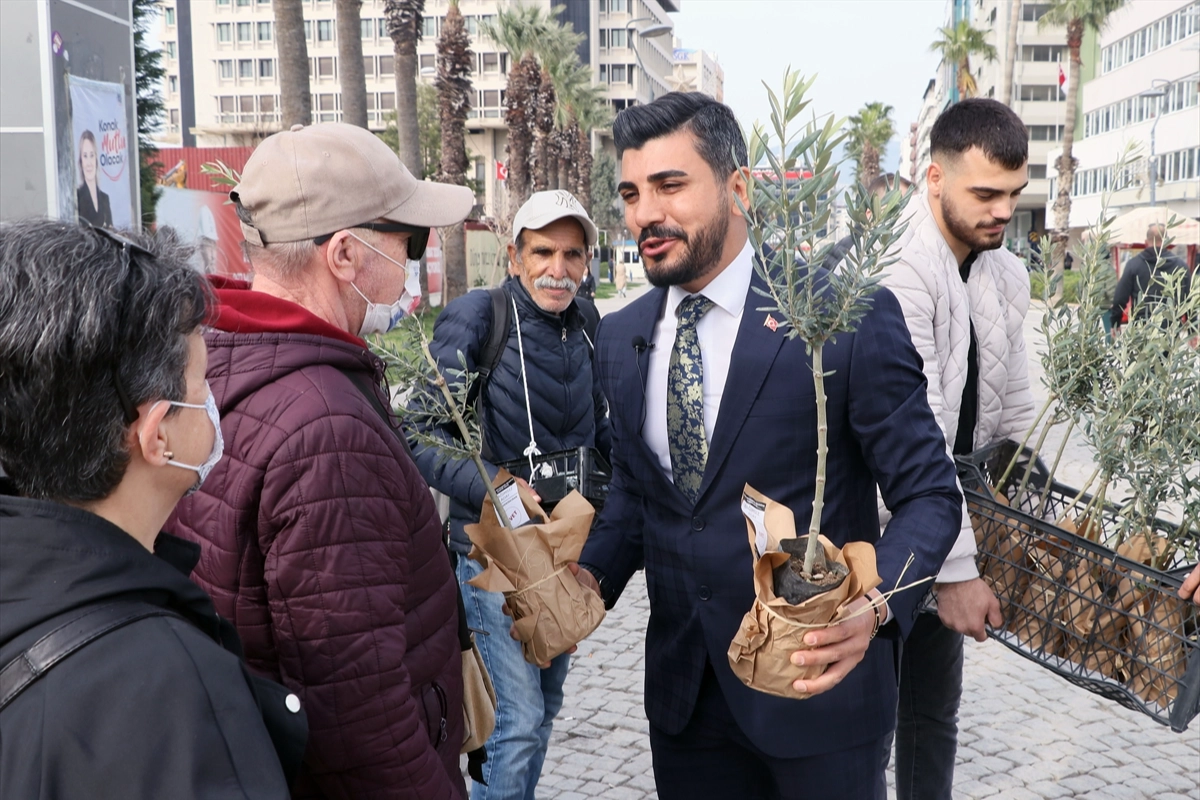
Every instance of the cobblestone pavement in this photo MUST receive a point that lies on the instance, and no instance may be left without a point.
(1025, 733)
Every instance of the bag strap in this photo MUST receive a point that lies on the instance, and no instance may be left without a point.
(367, 387)
(82, 627)
(591, 318)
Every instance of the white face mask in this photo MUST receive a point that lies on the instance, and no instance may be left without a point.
(218, 448)
(382, 318)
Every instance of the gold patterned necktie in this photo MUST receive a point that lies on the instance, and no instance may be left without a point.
(685, 399)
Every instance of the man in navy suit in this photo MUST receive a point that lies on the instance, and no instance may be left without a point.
(706, 396)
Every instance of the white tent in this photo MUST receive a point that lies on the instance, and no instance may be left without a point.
(1130, 228)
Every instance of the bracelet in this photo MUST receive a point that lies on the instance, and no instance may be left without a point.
(878, 620)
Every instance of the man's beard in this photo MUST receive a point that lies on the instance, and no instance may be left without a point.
(972, 235)
(702, 251)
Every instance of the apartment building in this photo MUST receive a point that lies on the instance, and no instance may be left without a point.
(697, 71)
(222, 83)
(1145, 94)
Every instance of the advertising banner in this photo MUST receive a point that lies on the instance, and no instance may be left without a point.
(103, 150)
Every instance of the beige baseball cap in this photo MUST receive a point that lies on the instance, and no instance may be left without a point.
(309, 182)
(542, 208)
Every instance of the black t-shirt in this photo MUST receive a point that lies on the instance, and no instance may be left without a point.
(964, 441)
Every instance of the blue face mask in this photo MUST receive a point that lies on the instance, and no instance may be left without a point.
(218, 448)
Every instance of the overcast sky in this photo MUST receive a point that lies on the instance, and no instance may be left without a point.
(861, 50)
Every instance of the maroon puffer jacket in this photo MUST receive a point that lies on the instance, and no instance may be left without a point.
(323, 546)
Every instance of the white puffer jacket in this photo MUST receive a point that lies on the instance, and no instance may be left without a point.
(939, 309)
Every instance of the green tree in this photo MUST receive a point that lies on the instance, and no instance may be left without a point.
(1077, 16)
(404, 26)
(604, 209)
(454, 60)
(149, 75)
(429, 130)
(867, 137)
(957, 44)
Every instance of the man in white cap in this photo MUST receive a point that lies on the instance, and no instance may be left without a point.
(531, 341)
(320, 539)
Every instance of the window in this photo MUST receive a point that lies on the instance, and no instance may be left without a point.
(325, 67)
(246, 104)
(1041, 93)
(428, 62)
(1037, 172)
(225, 68)
(430, 27)
(173, 83)
(222, 2)
(490, 98)
(308, 30)
(243, 3)
(266, 103)
(169, 15)
(617, 6)
(472, 25)
(174, 117)
(616, 73)
(368, 28)
(370, 101)
(264, 31)
(1045, 133)
(1043, 52)
(246, 68)
(171, 51)
(489, 62)
(225, 104)
(324, 30)
(383, 29)
(368, 66)
(387, 101)
(1161, 33)
(617, 38)
(245, 31)
(266, 68)
(224, 32)
(387, 66)
(1032, 12)
(325, 102)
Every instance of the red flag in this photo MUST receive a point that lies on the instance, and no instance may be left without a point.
(501, 171)
(1062, 80)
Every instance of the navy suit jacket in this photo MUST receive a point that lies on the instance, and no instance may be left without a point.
(697, 557)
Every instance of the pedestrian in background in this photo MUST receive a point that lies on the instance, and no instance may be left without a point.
(622, 273)
(1142, 283)
(105, 422)
(321, 540)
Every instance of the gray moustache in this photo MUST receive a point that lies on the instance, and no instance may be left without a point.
(546, 282)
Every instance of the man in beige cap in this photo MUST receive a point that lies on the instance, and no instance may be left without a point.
(320, 539)
(531, 341)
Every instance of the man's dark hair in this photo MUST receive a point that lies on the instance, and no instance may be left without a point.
(984, 123)
(718, 136)
(82, 320)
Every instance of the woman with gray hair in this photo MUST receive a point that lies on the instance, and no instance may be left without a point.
(117, 678)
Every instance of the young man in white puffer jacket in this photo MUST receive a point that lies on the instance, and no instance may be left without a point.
(964, 297)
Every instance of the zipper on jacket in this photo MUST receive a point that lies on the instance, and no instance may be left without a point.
(564, 334)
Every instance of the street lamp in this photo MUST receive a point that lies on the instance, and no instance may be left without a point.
(651, 31)
(1158, 89)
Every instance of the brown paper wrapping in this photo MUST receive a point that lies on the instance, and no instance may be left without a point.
(551, 610)
(760, 653)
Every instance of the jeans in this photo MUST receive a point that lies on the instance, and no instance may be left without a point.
(527, 698)
(931, 669)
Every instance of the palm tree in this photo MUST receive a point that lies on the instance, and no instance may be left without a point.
(350, 62)
(1077, 16)
(528, 33)
(957, 44)
(453, 85)
(870, 131)
(592, 112)
(1010, 52)
(295, 101)
(404, 26)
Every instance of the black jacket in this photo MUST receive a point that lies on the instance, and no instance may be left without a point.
(567, 405)
(157, 709)
(1144, 273)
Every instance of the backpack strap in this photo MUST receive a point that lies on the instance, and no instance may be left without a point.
(591, 319)
(489, 357)
(81, 628)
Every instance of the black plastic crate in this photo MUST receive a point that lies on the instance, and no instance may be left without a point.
(1105, 622)
(556, 475)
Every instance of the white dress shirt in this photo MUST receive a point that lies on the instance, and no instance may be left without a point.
(717, 331)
